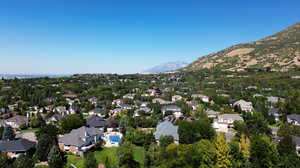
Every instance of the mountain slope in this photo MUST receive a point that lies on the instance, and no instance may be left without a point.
(279, 52)
(166, 67)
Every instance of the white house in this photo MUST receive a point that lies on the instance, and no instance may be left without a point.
(244, 105)
(176, 98)
(225, 121)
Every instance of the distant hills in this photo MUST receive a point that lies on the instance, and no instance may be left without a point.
(166, 67)
(279, 52)
(25, 76)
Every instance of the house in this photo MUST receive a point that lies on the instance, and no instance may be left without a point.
(166, 128)
(125, 106)
(80, 140)
(202, 97)
(115, 111)
(211, 113)
(146, 110)
(16, 121)
(55, 118)
(176, 98)
(96, 122)
(15, 148)
(244, 105)
(274, 112)
(296, 141)
(274, 100)
(97, 111)
(129, 96)
(93, 100)
(160, 101)
(293, 119)
(74, 110)
(225, 121)
(62, 110)
(117, 101)
(171, 108)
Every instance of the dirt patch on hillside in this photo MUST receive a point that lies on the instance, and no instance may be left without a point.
(240, 51)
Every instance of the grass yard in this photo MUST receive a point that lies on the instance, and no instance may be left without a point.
(110, 153)
(30, 130)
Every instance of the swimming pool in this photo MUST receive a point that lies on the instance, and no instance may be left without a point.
(115, 138)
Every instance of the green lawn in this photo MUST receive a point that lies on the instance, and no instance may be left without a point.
(30, 130)
(110, 153)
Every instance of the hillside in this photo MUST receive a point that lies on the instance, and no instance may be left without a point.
(279, 52)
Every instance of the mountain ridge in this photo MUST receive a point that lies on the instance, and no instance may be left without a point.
(278, 52)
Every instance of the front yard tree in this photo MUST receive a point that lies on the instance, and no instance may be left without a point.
(164, 141)
(90, 161)
(223, 156)
(263, 152)
(23, 161)
(125, 156)
(8, 133)
(56, 158)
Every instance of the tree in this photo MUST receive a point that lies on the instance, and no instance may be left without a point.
(56, 158)
(125, 156)
(49, 130)
(90, 161)
(256, 124)
(1, 132)
(164, 141)
(23, 161)
(8, 133)
(43, 147)
(206, 153)
(223, 156)
(190, 132)
(124, 123)
(35, 122)
(245, 145)
(286, 145)
(288, 155)
(263, 152)
(71, 122)
(5, 161)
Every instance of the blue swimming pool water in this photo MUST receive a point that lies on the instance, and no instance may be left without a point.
(115, 138)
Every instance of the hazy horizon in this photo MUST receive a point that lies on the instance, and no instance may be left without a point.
(71, 37)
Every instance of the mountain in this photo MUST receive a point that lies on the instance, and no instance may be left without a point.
(279, 52)
(166, 67)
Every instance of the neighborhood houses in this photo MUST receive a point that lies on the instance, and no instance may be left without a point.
(106, 114)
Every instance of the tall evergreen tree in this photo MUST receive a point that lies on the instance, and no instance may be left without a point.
(56, 158)
(263, 152)
(223, 156)
(8, 133)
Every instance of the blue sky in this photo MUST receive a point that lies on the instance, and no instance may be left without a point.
(128, 36)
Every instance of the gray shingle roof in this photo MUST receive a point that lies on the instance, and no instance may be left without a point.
(166, 128)
(20, 145)
(96, 122)
(295, 117)
(76, 136)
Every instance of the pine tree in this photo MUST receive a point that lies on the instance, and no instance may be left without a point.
(56, 158)
(8, 134)
(90, 161)
(245, 145)
(222, 152)
(263, 152)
